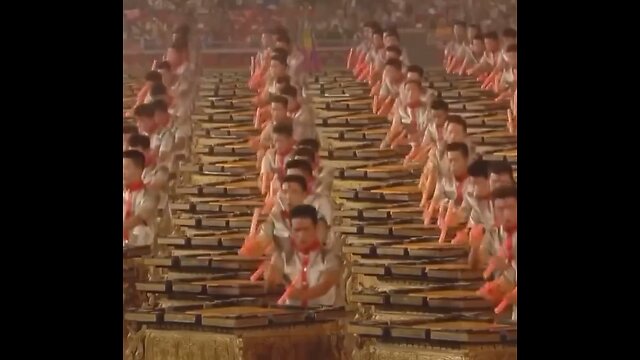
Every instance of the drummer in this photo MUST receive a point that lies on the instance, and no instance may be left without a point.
(274, 161)
(375, 60)
(473, 55)
(477, 209)
(152, 77)
(410, 121)
(145, 118)
(295, 58)
(314, 272)
(164, 68)
(267, 41)
(390, 87)
(453, 47)
(463, 51)
(164, 139)
(303, 115)
(140, 204)
(500, 174)
(364, 46)
(504, 83)
(391, 38)
(277, 68)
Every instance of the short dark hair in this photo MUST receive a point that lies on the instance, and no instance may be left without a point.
(491, 35)
(392, 32)
(475, 26)
(504, 192)
(417, 83)
(301, 164)
(394, 63)
(304, 152)
(479, 168)
(312, 144)
(283, 128)
(416, 69)
(164, 65)
(160, 106)
(283, 38)
(284, 79)
(460, 147)
(297, 179)
(279, 58)
(144, 110)
(373, 25)
(278, 30)
(439, 104)
(478, 37)
(510, 33)
(158, 89)
(458, 120)
(129, 129)
(305, 211)
(153, 76)
(289, 90)
(280, 52)
(139, 140)
(512, 48)
(378, 31)
(135, 156)
(279, 99)
(394, 49)
(459, 23)
(501, 167)
(182, 30)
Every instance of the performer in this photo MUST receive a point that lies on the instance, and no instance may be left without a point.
(314, 272)
(371, 69)
(500, 174)
(164, 138)
(509, 37)
(139, 204)
(274, 161)
(304, 120)
(145, 117)
(357, 56)
(410, 120)
(473, 55)
(459, 38)
(267, 41)
(391, 38)
(150, 78)
(463, 50)
(295, 59)
(504, 83)
(390, 88)
(490, 58)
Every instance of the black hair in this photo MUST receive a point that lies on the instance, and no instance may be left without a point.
(479, 168)
(284, 79)
(373, 25)
(439, 104)
(392, 32)
(418, 83)
(279, 58)
(144, 110)
(301, 164)
(510, 33)
(416, 69)
(179, 44)
(394, 49)
(153, 76)
(283, 128)
(164, 65)
(279, 99)
(512, 48)
(460, 23)
(300, 180)
(459, 146)
(394, 63)
(475, 26)
(278, 30)
(289, 90)
(160, 106)
(158, 89)
(129, 129)
(505, 192)
(491, 35)
(478, 37)
(280, 52)
(305, 211)
(457, 119)
(501, 167)
(139, 141)
(304, 152)
(313, 144)
(135, 156)
(283, 38)
(182, 30)
(378, 31)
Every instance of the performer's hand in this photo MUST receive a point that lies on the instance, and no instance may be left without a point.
(494, 291)
(476, 234)
(510, 299)
(298, 294)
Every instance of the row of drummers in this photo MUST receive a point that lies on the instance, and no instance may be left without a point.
(157, 141)
(303, 252)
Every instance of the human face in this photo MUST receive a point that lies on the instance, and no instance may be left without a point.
(130, 173)
(146, 125)
(390, 40)
(277, 69)
(477, 46)
(377, 41)
(413, 76)
(440, 116)
(491, 45)
(303, 231)
(414, 93)
(283, 144)
(457, 163)
(498, 180)
(292, 195)
(481, 188)
(454, 133)
(392, 72)
(278, 111)
(507, 211)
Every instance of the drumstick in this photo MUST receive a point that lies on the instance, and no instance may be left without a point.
(490, 268)
(254, 222)
(350, 59)
(288, 291)
(252, 67)
(261, 269)
(508, 300)
(448, 219)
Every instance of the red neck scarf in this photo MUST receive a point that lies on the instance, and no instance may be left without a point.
(304, 262)
(507, 246)
(128, 200)
(281, 163)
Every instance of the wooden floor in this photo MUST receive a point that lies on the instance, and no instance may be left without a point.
(400, 281)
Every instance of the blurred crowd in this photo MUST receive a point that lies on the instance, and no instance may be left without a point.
(235, 23)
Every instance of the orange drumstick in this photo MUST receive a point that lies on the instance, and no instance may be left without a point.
(288, 291)
(386, 107)
(448, 220)
(510, 299)
(256, 275)
(254, 222)
(252, 67)
(350, 59)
